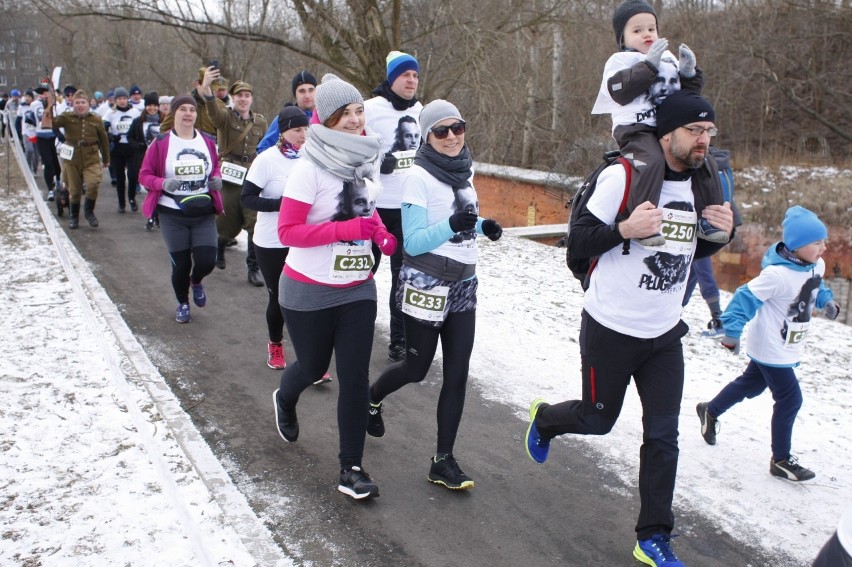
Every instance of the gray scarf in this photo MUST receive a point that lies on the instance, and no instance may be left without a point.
(349, 157)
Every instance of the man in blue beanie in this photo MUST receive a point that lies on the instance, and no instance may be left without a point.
(393, 114)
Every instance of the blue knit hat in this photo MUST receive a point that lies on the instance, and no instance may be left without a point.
(802, 227)
(398, 63)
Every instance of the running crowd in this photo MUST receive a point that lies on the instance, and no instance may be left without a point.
(335, 182)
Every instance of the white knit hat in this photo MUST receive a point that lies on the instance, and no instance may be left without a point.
(333, 93)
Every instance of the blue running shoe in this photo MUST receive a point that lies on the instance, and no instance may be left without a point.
(198, 295)
(182, 314)
(710, 233)
(537, 446)
(656, 551)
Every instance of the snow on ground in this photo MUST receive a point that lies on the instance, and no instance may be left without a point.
(93, 471)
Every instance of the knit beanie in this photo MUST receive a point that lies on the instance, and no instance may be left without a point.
(434, 112)
(183, 99)
(120, 91)
(302, 78)
(398, 63)
(291, 117)
(680, 108)
(624, 12)
(151, 98)
(802, 227)
(69, 90)
(334, 93)
(135, 90)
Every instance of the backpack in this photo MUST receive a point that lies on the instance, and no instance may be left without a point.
(582, 268)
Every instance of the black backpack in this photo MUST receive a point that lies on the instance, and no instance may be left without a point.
(582, 268)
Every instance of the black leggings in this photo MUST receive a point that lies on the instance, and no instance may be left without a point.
(47, 151)
(271, 262)
(346, 330)
(121, 158)
(421, 342)
(191, 266)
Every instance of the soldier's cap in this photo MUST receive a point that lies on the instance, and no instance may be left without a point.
(220, 83)
(240, 86)
(80, 93)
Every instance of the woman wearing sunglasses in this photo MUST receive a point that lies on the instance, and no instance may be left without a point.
(327, 293)
(436, 290)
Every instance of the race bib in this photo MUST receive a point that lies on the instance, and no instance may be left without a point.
(404, 160)
(796, 333)
(427, 305)
(351, 262)
(122, 127)
(189, 170)
(66, 152)
(232, 173)
(679, 231)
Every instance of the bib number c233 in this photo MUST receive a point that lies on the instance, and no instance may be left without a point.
(427, 305)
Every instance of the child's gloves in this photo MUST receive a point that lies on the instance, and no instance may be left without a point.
(655, 53)
(731, 344)
(214, 183)
(832, 309)
(492, 229)
(171, 185)
(686, 63)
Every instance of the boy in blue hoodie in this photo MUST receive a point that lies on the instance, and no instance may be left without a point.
(780, 299)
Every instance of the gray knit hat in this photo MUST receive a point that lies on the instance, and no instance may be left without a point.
(624, 12)
(434, 112)
(333, 93)
(120, 91)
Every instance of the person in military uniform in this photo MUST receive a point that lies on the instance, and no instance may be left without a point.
(238, 131)
(203, 121)
(85, 151)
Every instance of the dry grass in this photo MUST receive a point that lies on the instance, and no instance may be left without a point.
(763, 194)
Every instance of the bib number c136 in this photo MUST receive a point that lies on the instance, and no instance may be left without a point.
(404, 160)
(427, 305)
(351, 262)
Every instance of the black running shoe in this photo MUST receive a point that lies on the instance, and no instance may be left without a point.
(710, 233)
(285, 420)
(790, 469)
(375, 423)
(355, 482)
(396, 352)
(709, 424)
(447, 472)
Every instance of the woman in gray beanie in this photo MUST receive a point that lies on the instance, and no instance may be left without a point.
(327, 292)
(436, 291)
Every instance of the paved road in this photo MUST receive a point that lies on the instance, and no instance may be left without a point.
(566, 512)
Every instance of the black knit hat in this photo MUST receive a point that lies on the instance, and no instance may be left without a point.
(291, 117)
(151, 98)
(302, 78)
(681, 108)
(624, 12)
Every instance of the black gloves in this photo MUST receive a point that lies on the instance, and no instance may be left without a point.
(492, 229)
(462, 221)
(388, 164)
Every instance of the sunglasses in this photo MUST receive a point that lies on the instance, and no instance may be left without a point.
(442, 132)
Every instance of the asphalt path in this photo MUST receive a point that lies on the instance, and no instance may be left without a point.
(568, 511)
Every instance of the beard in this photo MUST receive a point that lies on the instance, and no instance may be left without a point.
(686, 153)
